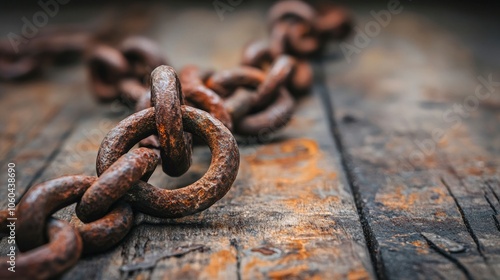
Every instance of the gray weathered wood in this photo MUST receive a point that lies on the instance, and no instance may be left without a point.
(387, 106)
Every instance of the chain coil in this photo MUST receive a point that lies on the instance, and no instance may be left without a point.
(251, 99)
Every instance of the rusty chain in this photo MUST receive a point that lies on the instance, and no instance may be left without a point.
(255, 97)
(52, 45)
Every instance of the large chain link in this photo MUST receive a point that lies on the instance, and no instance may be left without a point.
(251, 99)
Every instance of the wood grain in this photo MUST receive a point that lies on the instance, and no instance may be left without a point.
(423, 179)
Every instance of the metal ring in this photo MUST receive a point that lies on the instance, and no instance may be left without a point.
(188, 200)
(166, 98)
(292, 25)
(333, 22)
(143, 55)
(226, 81)
(256, 54)
(203, 97)
(106, 232)
(274, 117)
(115, 182)
(277, 76)
(301, 80)
(46, 261)
(46, 198)
(293, 8)
(107, 66)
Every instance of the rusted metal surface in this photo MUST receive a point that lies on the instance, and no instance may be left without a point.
(43, 200)
(188, 200)
(14, 65)
(267, 121)
(143, 56)
(49, 260)
(167, 98)
(46, 47)
(46, 198)
(101, 235)
(107, 66)
(257, 101)
(115, 182)
(226, 81)
(301, 29)
(201, 96)
(123, 72)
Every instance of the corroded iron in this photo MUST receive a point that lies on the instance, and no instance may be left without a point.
(201, 96)
(51, 45)
(256, 100)
(102, 234)
(269, 120)
(115, 182)
(44, 199)
(188, 200)
(123, 72)
(107, 66)
(61, 253)
(167, 98)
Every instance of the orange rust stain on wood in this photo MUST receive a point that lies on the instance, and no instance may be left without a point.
(186, 272)
(305, 230)
(420, 246)
(295, 159)
(476, 171)
(442, 195)
(299, 251)
(141, 277)
(288, 273)
(358, 274)
(397, 200)
(254, 264)
(440, 214)
(303, 201)
(219, 261)
(295, 251)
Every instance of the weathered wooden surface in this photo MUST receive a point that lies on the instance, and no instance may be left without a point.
(340, 193)
(423, 175)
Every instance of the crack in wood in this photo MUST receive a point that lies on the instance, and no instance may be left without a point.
(235, 244)
(464, 217)
(346, 163)
(448, 256)
(150, 261)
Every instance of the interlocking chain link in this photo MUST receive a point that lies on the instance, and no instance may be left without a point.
(253, 98)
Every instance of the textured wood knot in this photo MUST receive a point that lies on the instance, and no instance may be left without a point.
(266, 251)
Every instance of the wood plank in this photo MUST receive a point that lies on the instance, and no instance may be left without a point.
(420, 198)
(37, 137)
